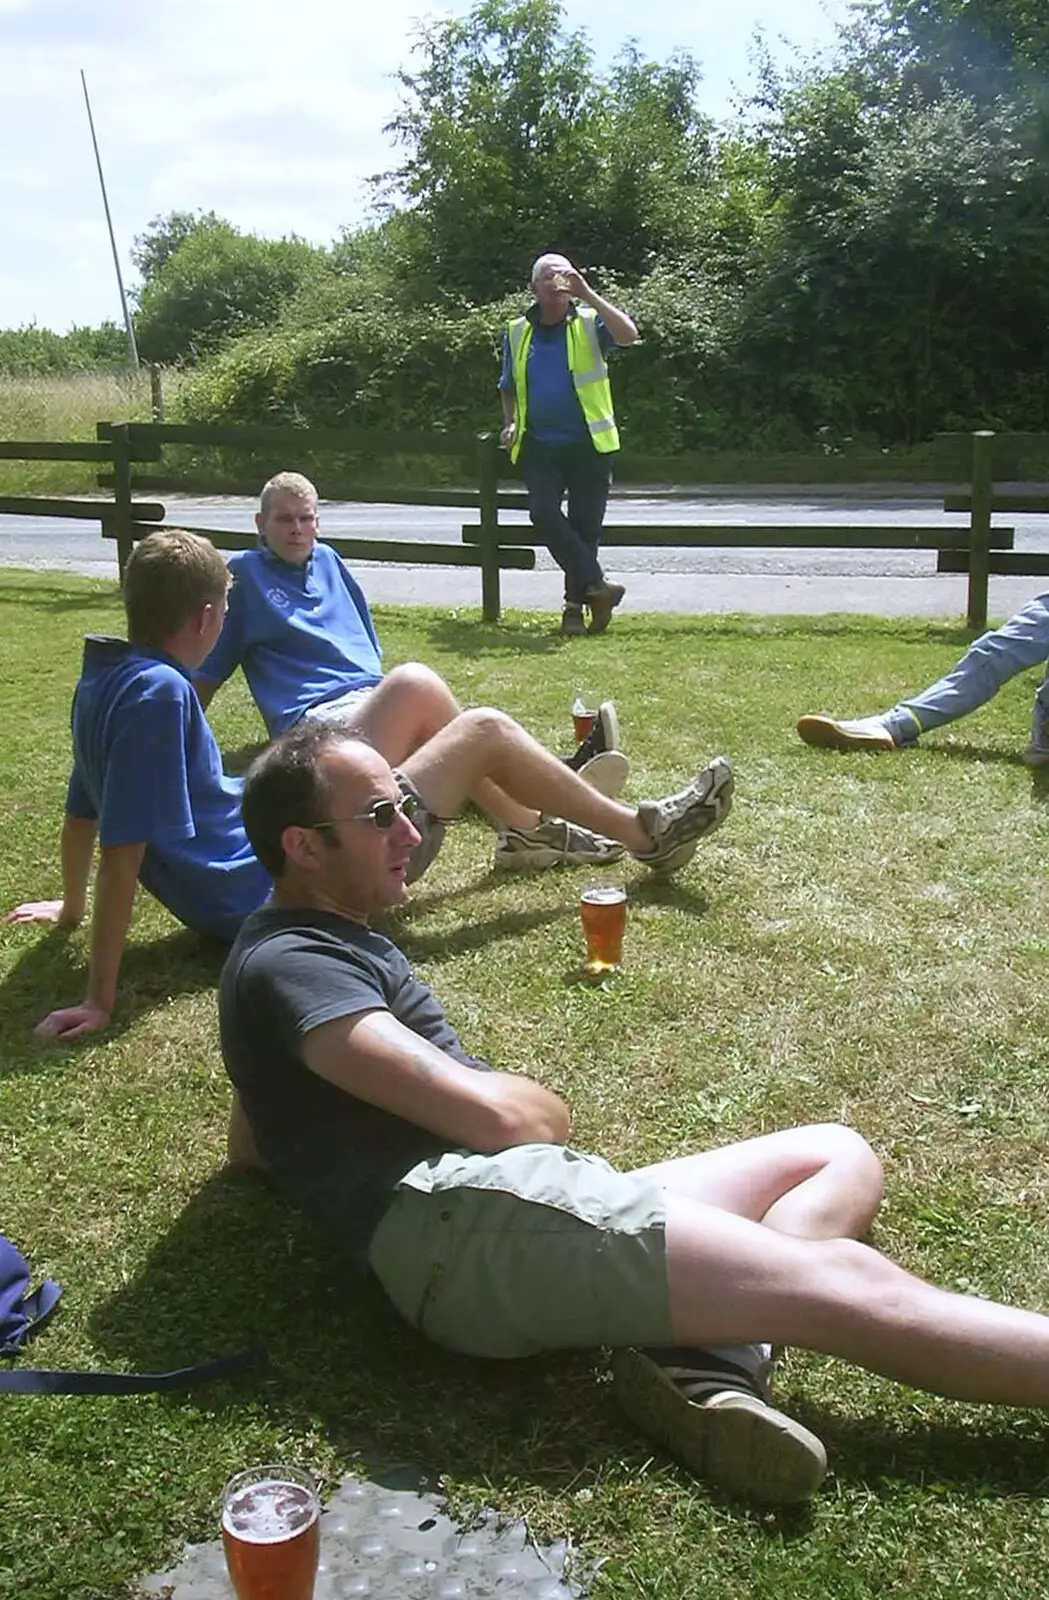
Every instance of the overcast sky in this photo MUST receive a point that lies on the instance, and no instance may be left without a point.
(269, 112)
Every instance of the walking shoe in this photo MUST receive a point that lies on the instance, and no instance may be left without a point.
(604, 735)
(553, 843)
(607, 773)
(676, 825)
(1037, 752)
(602, 598)
(715, 1418)
(572, 624)
(866, 733)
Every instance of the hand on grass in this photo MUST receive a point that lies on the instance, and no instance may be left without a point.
(42, 911)
(74, 1022)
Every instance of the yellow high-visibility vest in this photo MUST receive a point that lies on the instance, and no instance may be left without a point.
(589, 369)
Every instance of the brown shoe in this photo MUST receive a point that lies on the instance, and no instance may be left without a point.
(602, 598)
(572, 625)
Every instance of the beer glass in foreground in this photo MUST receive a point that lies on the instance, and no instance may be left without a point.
(603, 910)
(271, 1533)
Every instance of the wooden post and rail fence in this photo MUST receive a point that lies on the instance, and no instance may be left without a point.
(122, 450)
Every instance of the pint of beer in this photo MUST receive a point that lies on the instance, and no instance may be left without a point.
(583, 717)
(603, 910)
(271, 1533)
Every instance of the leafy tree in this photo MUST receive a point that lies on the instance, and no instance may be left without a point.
(515, 144)
(152, 249)
(31, 349)
(216, 284)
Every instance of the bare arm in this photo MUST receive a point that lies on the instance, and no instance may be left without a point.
(115, 887)
(619, 325)
(77, 849)
(373, 1056)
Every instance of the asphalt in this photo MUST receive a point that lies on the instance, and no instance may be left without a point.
(698, 580)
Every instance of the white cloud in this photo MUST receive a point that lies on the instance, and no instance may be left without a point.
(269, 112)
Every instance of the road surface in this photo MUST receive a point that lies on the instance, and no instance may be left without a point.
(879, 582)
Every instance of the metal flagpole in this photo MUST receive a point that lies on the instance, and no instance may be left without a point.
(128, 324)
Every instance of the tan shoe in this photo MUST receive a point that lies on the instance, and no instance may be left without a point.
(866, 733)
(602, 599)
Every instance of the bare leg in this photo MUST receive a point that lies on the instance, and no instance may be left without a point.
(733, 1281)
(818, 1182)
(404, 711)
(488, 744)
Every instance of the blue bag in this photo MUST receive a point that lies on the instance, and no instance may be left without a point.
(22, 1313)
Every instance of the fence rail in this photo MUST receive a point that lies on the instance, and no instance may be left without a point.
(976, 460)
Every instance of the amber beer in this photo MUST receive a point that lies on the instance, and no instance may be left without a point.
(603, 910)
(583, 718)
(271, 1533)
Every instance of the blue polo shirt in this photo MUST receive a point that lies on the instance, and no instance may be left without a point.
(554, 415)
(303, 634)
(147, 769)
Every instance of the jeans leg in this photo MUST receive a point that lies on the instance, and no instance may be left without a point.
(1021, 642)
(589, 481)
(546, 477)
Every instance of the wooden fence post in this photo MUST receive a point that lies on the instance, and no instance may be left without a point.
(123, 510)
(982, 489)
(488, 517)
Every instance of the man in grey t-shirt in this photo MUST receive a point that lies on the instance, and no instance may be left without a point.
(492, 1236)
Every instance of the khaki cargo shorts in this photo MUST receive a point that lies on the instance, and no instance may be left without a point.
(534, 1248)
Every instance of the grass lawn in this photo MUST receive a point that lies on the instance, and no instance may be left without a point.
(865, 940)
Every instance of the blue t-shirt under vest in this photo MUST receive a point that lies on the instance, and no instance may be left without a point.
(146, 767)
(303, 634)
(553, 414)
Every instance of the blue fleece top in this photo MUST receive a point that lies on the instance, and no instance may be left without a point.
(554, 415)
(303, 634)
(147, 769)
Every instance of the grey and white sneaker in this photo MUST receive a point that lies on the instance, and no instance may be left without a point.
(553, 843)
(714, 1415)
(676, 825)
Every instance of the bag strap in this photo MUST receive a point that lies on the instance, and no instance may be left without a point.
(39, 1380)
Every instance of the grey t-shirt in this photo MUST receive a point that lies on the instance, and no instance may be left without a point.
(288, 972)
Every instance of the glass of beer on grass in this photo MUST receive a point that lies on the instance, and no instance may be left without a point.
(271, 1533)
(602, 907)
(584, 714)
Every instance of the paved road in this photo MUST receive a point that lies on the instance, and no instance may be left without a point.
(880, 582)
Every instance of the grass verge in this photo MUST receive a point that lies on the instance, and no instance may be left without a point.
(862, 941)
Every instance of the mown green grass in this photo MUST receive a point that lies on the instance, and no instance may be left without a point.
(864, 940)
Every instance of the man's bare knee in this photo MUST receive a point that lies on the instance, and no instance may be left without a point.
(421, 683)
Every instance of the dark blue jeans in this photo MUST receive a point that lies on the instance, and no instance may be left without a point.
(551, 472)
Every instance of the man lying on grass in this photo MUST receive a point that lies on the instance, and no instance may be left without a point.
(299, 627)
(490, 1235)
(148, 784)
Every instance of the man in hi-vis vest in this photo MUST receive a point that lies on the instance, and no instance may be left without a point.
(558, 421)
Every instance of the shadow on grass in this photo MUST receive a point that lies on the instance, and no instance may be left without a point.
(57, 600)
(239, 1264)
(236, 762)
(473, 935)
(50, 974)
(514, 636)
(992, 1451)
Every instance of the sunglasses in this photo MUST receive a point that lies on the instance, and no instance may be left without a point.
(382, 815)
